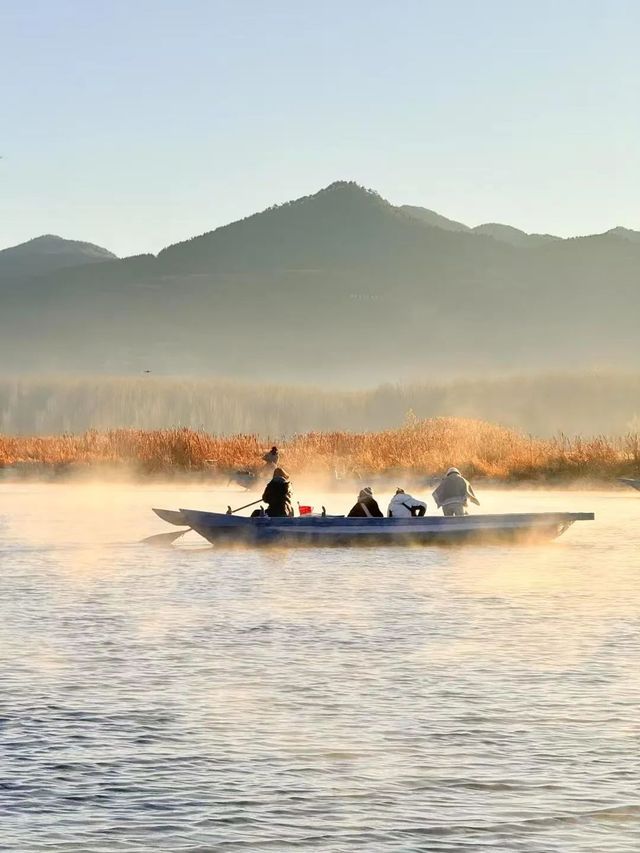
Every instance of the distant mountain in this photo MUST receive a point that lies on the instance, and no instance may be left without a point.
(48, 253)
(335, 228)
(430, 217)
(336, 286)
(514, 236)
(625, 234)
(504, 233)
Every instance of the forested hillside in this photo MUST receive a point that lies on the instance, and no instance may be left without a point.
(338, 286)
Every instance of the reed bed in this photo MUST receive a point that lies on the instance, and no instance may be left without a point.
(420, 448)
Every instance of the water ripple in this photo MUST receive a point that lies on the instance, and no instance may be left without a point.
(402, 701)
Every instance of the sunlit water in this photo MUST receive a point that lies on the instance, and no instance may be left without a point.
(482, 698)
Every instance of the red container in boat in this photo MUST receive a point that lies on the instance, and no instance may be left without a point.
(305, 510)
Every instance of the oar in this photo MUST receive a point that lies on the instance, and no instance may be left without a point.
(164, 539)
(253, 503)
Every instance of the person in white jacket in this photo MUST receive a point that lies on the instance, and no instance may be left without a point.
(403, 505)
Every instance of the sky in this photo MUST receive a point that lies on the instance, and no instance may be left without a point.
(135, 124)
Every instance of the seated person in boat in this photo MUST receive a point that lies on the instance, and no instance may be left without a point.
(453, 494)
(366, 506)
(403, 505)
(277, 495)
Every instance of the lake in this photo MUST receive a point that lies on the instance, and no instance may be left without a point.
(379, 700)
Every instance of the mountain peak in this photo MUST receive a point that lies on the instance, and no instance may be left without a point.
(49, 252)
(348, 194)
(54, 238)
(624, 233)
(37, 243)
(332, 223)
(52, 242)
(351, 187)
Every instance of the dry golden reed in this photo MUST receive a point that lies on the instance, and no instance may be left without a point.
(421, 447)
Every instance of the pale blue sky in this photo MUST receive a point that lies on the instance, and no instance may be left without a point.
(137, 123)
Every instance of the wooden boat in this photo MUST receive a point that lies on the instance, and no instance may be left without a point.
(635, 484)
(338, 530)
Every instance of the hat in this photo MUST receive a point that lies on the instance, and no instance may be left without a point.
(399, 491)
(453, 471)
(280, 472)
(365, 493)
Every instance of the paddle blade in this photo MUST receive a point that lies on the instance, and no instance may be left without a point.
(163, 540)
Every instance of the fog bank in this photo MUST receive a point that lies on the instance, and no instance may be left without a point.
(541, 404)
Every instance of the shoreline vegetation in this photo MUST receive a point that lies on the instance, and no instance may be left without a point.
(544, 404)
(419, 451)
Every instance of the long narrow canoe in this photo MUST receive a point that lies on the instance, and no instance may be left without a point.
(338, 530)
(635, 484)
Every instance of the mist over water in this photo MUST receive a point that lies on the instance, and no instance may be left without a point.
(543, 403)
(331, 699)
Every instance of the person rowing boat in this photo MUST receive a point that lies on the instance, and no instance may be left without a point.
(277, 495)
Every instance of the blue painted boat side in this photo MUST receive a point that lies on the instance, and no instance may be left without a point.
(340, 530)
(223, 520)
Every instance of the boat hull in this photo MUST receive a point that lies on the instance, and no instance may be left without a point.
(635, 484)
(338, 531)
(172, 516)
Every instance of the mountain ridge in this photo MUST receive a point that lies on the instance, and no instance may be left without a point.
(496, 230)
(340, 283)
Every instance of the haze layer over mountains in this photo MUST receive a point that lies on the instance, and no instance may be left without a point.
(340, 286)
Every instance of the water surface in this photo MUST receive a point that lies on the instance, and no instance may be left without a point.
(482, 698)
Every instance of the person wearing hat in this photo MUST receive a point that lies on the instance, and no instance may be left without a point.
(277, 495)
(403, 505)
(453, 494)
(366, 506)
(271, 457)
